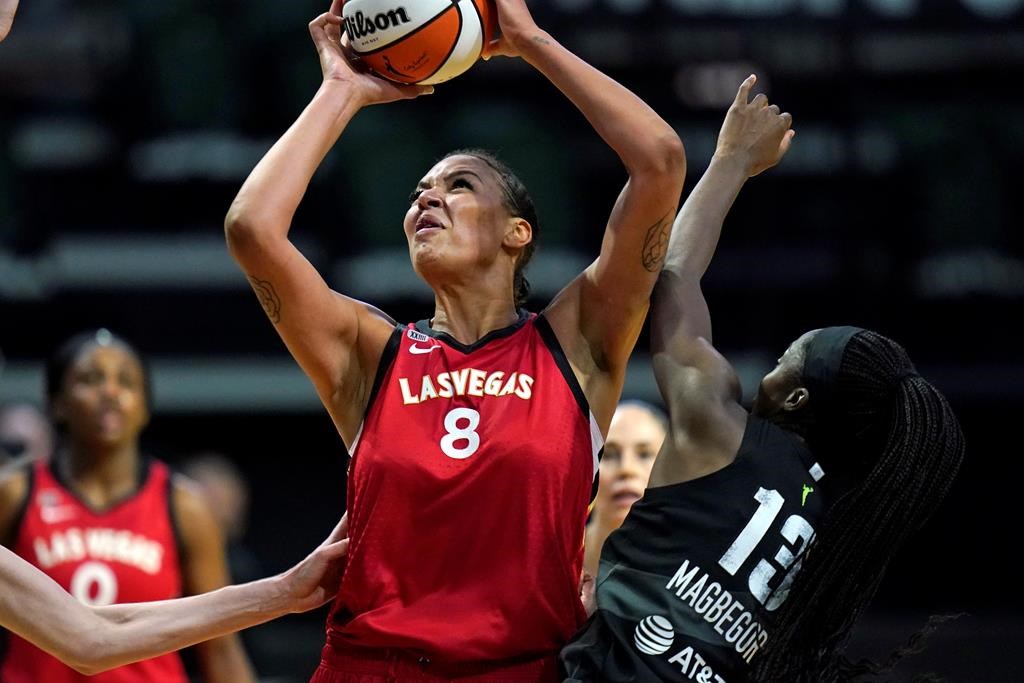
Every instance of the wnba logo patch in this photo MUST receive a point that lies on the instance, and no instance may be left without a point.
(417, 336)
(654, 635)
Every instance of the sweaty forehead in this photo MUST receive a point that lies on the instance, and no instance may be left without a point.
(794, 354)
(459, 162)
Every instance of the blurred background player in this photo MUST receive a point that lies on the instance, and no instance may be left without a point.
(634, 438)
(763, 536)
(25, 435)
(226, 492)
(106, 522)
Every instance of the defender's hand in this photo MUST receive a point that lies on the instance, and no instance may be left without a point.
(754, 132)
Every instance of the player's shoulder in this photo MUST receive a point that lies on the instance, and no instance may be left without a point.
(14, 484)
(185, 492)
(191, 511)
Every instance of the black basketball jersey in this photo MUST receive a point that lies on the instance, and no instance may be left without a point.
(687, 586)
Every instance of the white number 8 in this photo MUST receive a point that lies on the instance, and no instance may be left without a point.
(455, 433)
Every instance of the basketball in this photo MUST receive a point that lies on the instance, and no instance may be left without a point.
(419, 41)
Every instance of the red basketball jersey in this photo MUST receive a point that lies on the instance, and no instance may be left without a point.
(467, 498)
(126, 553)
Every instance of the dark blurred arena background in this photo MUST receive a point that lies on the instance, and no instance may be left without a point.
(126, 127)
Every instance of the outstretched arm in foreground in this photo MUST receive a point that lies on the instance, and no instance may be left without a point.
(93, 639)
(698, 385)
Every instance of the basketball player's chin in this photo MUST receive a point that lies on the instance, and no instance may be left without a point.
(430, 263)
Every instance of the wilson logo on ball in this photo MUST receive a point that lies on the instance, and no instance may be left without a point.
(427, 41)
(360, 26)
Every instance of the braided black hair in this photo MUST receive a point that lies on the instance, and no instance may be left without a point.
(893, 437)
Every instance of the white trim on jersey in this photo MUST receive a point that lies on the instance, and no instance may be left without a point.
(596, 442)
(355, 441)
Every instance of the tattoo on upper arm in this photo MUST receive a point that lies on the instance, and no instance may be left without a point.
(542, 40)
(268, 297)
(656, 244)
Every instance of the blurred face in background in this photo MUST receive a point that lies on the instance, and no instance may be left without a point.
(634, 438)
(102, 402)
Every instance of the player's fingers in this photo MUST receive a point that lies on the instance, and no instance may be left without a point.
(317, 27)
(417, 90)
(774, 108)
(786, 119)
(335, 550)
(760, 101)
(743, 94)
(495, 48)
(787, 139)
(336, 7)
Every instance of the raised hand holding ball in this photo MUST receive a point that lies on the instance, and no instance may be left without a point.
(419, 41)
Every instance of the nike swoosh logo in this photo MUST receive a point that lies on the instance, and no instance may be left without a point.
(419, 349)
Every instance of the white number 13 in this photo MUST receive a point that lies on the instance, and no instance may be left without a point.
(796, 530)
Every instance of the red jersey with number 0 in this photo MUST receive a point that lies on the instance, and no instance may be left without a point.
(126, 553)
(467, 498)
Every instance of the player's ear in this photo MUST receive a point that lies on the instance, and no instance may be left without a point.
(518, 234)
(796, 399)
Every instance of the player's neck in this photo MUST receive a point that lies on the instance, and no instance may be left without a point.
(102, 475)
(469, 314)
(604, 528)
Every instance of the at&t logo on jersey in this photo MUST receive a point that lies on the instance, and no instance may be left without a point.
(654, 635)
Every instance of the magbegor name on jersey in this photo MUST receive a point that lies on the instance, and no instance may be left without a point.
(109, 545)
(465, 382)
(738, 627)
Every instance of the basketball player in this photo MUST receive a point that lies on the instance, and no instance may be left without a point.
(94, 639)
(107, 524)
(634, 438)
(847, 451)
(7, 10)
(473, 433)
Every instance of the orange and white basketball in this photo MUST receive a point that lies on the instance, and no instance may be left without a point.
(419, 41)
